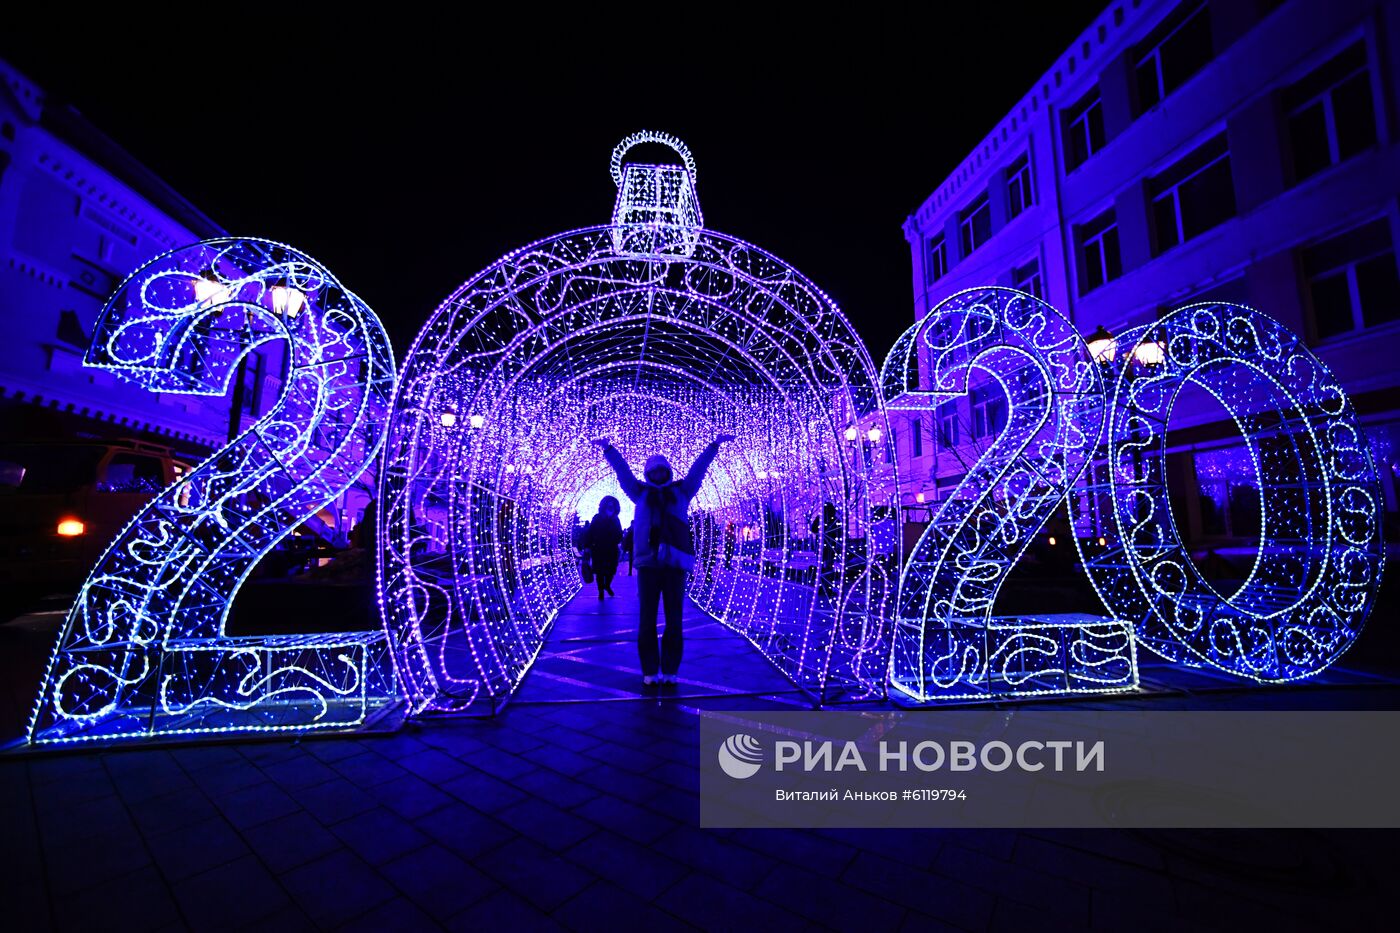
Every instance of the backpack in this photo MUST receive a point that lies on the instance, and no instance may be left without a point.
(670, 535)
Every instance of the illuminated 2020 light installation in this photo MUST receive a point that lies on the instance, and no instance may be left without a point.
(143, 650)
(1317, 569)
(947, 644)
(660, 334)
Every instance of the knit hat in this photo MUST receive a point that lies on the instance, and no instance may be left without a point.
(654, 461)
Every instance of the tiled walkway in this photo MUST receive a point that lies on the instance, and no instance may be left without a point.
(592, 655)
(584, 816)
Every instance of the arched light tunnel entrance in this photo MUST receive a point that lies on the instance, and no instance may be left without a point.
(660, 335)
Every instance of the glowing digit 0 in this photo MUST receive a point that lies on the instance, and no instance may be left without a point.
(1317, 569)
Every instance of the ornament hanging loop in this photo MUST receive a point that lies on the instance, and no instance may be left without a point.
(650, 136)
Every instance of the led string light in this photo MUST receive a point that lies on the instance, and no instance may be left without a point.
(143, 651)
(1317, 570)
(661, 335)
(947, 644)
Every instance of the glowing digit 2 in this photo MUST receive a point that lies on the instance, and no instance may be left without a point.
(947, 644)
(143, 650)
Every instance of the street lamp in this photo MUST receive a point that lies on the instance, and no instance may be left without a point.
(851, 434)
(1150, 353)
(1102, 346)
(286, 301)
(209, 292)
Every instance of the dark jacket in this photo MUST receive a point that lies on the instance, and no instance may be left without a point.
(683, 490)
(604, 534)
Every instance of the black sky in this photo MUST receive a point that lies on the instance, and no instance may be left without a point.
(410, 156)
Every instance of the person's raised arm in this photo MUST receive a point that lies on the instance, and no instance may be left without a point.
(629, 483)
(691, 484)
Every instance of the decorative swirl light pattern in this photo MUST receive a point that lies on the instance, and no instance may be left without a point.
(660, 342)
(1318, 566)
(946, 643)
(143, 650)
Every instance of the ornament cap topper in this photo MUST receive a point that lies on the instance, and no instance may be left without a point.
(657, 214)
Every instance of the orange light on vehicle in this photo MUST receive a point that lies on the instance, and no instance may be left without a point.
(71, 527)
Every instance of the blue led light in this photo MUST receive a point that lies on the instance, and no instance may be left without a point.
(1316, 572)
(947, 643)
(143, 650)
(662, 335)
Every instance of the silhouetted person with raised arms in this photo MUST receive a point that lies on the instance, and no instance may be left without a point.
(662, 549)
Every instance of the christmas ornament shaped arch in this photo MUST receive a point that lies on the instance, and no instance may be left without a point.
(660, 334)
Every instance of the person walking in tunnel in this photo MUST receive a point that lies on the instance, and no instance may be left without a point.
(602, 538)
(662, 549)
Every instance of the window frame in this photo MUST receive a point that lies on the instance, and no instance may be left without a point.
(985, 401)
(1017, 281)
(936, 248)
(1172, 192)
(1091, 233)
(1078, 116)
(1159, 38)
(1324, 96)
(967, 223)
(1348, 269)
(1019, 180)
(947, 416)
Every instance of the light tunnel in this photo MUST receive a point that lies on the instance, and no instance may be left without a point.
(659, 335)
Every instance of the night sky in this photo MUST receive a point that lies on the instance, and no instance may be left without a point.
(407, 162)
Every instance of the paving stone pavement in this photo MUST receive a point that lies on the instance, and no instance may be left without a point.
(584, 816)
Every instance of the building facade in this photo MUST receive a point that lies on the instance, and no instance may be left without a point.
(77, 215)
(1180, 151)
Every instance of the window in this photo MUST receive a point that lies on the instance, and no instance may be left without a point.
(1018, 186)
(948, 423)
(1330, 113)
(1084, 133)
(975, 224)
(1178, 48)
(254, 367)
(1027, 279)
(133, 473)
(936, 265)
(947, 486)
(1099, 258)
(1193, 195)
(916, 438)
(988, 411)
(1352, 280)
(70, 330)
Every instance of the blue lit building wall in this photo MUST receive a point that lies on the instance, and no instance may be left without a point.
(1178, 85)
(77, 214)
